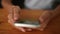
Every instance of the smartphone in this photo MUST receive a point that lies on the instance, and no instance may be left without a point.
(28, 24)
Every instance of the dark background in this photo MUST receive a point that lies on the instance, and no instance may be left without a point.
(0, 4)
(20, 3)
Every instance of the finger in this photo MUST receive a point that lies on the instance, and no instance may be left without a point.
(15, 18)
(43, 26)
(41, 20)
(40, 29)
(11, 21)
(22, 29)
(29, 29)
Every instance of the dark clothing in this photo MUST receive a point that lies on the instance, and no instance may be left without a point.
(0, 4)
(18, 2)
(56, 3)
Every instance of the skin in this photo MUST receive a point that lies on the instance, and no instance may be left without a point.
(44, 18)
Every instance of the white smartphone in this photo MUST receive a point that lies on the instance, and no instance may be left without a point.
(28, 24)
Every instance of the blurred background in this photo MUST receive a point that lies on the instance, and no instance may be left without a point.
(20, 3)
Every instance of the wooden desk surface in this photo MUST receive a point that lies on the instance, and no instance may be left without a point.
(5, 28)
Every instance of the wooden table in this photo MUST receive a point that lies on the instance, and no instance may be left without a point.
(5, 28)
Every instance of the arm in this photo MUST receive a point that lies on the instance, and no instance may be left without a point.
(47, 16)
(56, 11)
(6, 3)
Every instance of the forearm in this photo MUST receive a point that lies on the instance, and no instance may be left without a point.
(57, 10)
(5, 4)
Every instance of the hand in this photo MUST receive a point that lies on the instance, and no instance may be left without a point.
(45, 18)
(15, 16)
(11, 21)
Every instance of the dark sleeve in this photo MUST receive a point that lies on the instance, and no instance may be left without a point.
(19, 3)
(0, 4)
(58, 1)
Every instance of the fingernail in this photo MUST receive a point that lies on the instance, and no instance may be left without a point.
(23, 30)
(15, 18)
